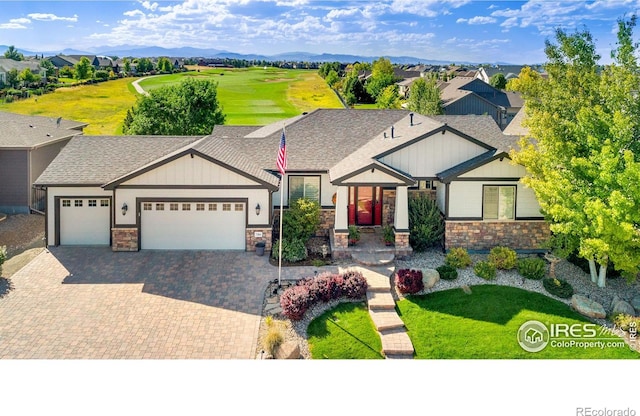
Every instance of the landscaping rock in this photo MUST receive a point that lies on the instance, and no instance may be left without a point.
(615, 300)
(288, 351)
(624, 308)
(635, 302)
(588, 307)
(430, 277)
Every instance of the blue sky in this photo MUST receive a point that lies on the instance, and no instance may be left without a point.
(453, 30)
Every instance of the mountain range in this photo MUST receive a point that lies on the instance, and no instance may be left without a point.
(188, 52)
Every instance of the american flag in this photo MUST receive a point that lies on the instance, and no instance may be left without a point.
(282, 156)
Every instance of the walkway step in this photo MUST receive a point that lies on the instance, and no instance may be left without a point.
(373, 259)
(377, 282)
(396, 342)
(385, 320)
(380, 300)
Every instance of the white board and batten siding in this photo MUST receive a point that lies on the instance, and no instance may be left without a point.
(497, 169)
(465, 199)
(434, 154)
(83, 216)
(374, 178)
(189, 170)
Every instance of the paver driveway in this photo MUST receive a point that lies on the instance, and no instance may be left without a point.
(85, 303)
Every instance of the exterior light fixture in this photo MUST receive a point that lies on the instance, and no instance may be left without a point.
(124, 208)
(258, 209)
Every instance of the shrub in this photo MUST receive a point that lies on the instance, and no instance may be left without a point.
(318, 263)
(485, 269)
(354, 234)
(532, 268)
(3, 256)
(447, 272)
(301, 220)
(101, 74)
(295, 301)
(293, 250)
(8, 99)
(409, 281)
(627, 323)
(558, 287)
(503, 258)
(354, 285)
(426, 227)
(458, 257)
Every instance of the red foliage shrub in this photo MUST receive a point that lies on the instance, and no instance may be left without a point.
(295, 302)
(409, 281)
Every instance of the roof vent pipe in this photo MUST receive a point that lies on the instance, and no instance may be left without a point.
(392, 132)
(385, 134)
(411, 119)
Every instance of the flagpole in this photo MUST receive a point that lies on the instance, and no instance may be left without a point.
(283, 169)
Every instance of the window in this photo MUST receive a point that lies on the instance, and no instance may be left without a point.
(499, 202)
(213, 207)
(104, 202)
(93, 202)
(159, 207)
(66, 202)
(226, 207)
(147, 206)
(424, 185)
(186, 207)
(77, 202)
(173, 207)
(304, 187)
(239, 207)
(199, 207)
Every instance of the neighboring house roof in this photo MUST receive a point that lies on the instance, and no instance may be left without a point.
(515, 127)
(28, 132)
(98, 160)
(460, 87)
(7, 65)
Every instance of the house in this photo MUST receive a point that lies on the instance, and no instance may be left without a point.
(485, 73)
(404, 86)
(98, 62)
(466, 95)
(27, 145)
(222, 191)
(7, 65)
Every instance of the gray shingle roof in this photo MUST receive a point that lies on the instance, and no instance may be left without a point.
(315, 141)
(515, 127)
(27, 132)
(97, 160)
(480, 127)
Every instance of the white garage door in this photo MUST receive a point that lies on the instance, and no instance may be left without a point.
(193, 225)
(85, 221)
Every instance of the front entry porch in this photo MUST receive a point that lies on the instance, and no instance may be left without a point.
(369, 251)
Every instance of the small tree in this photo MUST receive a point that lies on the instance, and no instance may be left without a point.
(389, 98)
(498, 81)
(83, 68)
(426, 226)
(424, 97)
(12, 53)
(301, 220)
(12, 78)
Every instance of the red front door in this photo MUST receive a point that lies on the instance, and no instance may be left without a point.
(365, 205)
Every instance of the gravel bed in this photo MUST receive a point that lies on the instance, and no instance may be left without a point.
(579, 280)
(21, 231)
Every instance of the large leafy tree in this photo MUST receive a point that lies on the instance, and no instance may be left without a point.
(424, 97)
(583, 157)
(389, 98)
(381, 77)
(498, 81)
(12, 53)
(188, 108)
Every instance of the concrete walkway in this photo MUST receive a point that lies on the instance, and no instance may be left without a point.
(395, 340)
(136, 84)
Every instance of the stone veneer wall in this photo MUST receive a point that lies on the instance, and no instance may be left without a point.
(484, 235)
(251, 238)
(388, 206)
(403, 249)
(124, 239)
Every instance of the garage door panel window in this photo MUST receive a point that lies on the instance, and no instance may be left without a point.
(226, 207)
(147, 206)
(499, 202)
(77, 203)
(307, 187)
(159, 207)
(213, 207)
(173, 207)
(239, 207)
(93, 202)
(199, 207)
(186, 207)
(104, 202)
(66, 202)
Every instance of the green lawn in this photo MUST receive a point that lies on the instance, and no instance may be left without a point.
(454, 325)
(344, 332)
(484, 324)
(257, 96)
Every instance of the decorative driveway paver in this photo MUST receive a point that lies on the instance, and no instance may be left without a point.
(91, 303)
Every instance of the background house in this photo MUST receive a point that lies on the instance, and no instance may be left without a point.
(7, 65)
(27, 145)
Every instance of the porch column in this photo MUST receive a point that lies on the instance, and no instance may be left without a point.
(401, 222)
(341, 226)
(342, 208)
(401, 218)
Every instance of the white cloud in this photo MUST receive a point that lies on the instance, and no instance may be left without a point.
(149, 6)
(134, 13)
(426, 8)
(50, 17)
(21, 20)
(478, 20)
(12, 26)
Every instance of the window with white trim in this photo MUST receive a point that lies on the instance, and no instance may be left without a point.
(307, 187)
(499, 202)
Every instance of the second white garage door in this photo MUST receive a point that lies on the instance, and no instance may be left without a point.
(193, 225)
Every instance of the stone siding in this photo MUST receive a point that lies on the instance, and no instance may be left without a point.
(403, 249)
(388, 206)
(251, 238)
(484, 235)
(124, 239)
(327, 221)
